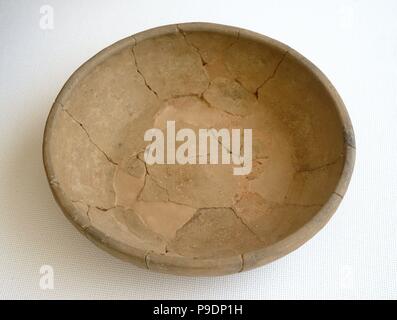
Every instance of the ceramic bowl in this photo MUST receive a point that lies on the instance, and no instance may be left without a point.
(200, 216)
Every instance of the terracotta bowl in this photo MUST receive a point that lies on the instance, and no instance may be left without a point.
(198, 219)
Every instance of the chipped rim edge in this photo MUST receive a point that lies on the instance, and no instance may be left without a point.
(180, 265)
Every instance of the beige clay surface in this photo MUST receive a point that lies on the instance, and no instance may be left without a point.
(198, 219)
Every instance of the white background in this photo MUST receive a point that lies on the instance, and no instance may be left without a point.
(353, 42)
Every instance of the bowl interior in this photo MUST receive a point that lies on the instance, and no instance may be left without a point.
(195, 78)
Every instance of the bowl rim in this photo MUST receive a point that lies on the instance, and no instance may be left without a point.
(186, 265)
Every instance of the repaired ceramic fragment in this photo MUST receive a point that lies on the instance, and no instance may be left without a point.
(200, 217)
